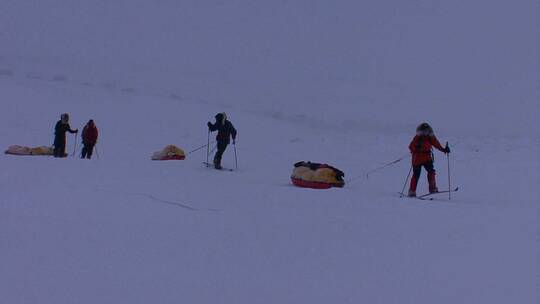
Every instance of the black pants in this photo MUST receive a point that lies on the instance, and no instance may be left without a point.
(87, 151)
(221, 147)
(60, 147)
(417, 170)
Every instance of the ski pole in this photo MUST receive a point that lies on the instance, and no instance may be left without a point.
(449, 184)
(406, 180)
(235, 156)
(386, 165)
(97, 153)
(208, 148)
(75, 145)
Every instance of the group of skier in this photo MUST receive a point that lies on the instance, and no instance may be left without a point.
(90, 133)
(89, 137)
(421, 146)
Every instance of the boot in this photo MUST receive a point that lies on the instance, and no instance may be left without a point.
(217, 164)
(432, 183)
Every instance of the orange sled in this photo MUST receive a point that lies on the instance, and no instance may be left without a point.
(314, 185)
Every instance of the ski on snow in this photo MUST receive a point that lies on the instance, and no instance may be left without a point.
(209, 165)
(445, 191)
(401, 195)
(426, 197)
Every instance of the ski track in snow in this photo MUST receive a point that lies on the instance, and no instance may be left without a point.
(168, 202)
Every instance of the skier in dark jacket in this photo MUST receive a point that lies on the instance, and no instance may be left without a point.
(225, 130)
(62, 126)
(89, 139)
(421, 148)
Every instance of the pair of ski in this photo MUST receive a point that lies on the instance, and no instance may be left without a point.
(209, 165)
(427, 196)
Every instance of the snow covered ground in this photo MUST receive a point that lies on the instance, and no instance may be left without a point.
(338, 82)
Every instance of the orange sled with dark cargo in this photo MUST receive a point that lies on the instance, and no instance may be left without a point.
(317, 176)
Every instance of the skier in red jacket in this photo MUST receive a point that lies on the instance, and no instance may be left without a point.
(421, 148)
(89, 138)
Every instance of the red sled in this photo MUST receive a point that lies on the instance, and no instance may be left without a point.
(313, 185)
(173, 157)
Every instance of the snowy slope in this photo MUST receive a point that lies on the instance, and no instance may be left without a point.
(387, 64)
(341, 82)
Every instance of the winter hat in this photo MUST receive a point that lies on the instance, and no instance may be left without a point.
(424, 129)
(64, 117)
(221, 117)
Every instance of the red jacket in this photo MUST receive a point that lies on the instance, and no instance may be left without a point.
(90, 135)
(421, 148)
